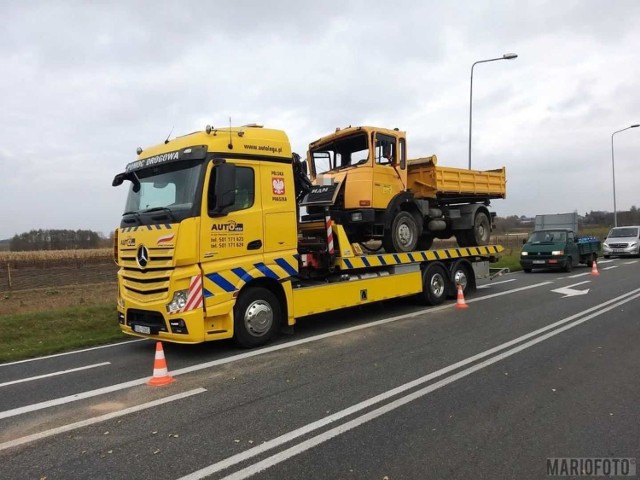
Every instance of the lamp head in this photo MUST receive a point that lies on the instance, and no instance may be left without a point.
(509, 56)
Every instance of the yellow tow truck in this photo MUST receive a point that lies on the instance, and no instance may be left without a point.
(210, 245)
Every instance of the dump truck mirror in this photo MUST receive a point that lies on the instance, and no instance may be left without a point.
(224, 188)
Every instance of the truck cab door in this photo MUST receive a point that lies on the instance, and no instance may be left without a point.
(389, 169)
(231, 237)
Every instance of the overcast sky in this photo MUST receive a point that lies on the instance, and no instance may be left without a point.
(83, 84)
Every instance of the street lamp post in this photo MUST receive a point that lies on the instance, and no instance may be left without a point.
(506, 56)
(613, 169)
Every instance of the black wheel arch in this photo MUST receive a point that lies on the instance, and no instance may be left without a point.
(404, 201)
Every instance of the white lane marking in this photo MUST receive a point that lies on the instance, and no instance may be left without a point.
(630, 263)
(570, 292)
(73, 352)
(603, 261)
(329, 434)
(496, 283)
(54, 374)
(579, 275)
(609, 268)
(287, 437)
(101, 418)
(242, 356)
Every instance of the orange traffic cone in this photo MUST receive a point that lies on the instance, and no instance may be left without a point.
(460, 303)
(594, 269)
(160, 373)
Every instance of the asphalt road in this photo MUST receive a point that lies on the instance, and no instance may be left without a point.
(540, 365)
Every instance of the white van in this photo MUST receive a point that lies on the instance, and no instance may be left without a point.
(622, 241)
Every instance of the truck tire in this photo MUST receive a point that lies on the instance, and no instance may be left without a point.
(435, 282)
(402, 237)
(462, 273)
(526, 270)
(481, 232)
(464, 238)
(256, 317)
(592, 259)
(425, 242)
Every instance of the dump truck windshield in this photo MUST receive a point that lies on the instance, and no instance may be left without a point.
(171, 187)
(340, 153)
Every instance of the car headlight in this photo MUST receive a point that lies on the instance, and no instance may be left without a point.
(605, 244)
(524, 254)
(557, 252)
(178, 301)
(633, 244)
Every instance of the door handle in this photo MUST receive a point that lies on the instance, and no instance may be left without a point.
(255, 245)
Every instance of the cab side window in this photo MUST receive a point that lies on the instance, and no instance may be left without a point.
(244, 190)
(385, 150)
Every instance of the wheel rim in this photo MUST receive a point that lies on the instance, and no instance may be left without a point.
(460, 278)
(405, 234)
(258, 318)
(437, 285)
(482, 229)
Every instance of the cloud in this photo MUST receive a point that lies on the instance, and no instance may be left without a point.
(85, 84)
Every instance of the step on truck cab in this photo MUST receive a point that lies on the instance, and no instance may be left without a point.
(555, 244)
(210, 247)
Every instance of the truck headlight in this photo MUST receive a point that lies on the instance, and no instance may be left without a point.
(356, 217)
(178, 301)
(524, 254)
(557, 252)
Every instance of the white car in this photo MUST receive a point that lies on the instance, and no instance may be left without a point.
(622, 241)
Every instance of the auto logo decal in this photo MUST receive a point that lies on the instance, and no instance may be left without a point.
(142, 257)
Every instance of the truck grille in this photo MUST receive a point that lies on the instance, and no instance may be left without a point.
(151, 283)
(146, 318)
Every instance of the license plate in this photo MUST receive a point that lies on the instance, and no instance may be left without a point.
(539, 262)
(142, 329)
(618, 250)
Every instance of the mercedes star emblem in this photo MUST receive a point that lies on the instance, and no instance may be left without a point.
(142, 256)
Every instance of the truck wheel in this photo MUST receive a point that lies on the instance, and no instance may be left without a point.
(434, 285)
(425, 242)
(481, 229)
(462, 274)
(256, 317)
(403, 235)
(591, 260)
(526, 270)
(568, 267)
(464, 238)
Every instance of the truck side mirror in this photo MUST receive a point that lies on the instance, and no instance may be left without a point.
(524, 241)
(224, 188)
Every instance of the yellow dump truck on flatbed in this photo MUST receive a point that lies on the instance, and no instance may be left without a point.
(363, 177)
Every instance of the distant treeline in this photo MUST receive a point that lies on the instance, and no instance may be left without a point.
(57, 240)
(591, 219)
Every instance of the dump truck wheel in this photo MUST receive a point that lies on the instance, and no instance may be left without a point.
(257, 315)
(481, 229)
(403, 235)
(425, 242)
(464, 238)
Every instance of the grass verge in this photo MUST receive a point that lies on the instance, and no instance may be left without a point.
(510, 259)
(27, 335)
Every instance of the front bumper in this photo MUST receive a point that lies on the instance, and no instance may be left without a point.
(531, 263)
(621, 252)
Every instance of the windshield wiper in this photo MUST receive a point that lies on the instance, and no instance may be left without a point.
(166, 210)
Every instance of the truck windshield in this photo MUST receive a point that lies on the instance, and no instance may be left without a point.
(623, 232)
(340, 153)
(170, 187)
(548, 237)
